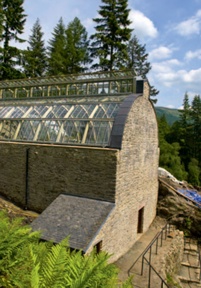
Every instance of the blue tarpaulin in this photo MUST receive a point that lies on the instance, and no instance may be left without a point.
(191, 195)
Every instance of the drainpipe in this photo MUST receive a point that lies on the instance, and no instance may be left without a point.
(27, 180)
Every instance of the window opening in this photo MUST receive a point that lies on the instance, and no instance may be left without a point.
(98, 247)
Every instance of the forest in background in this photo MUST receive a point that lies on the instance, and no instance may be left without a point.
(180, 143)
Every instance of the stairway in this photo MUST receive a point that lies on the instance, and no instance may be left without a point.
(151, 278)
(190, 266)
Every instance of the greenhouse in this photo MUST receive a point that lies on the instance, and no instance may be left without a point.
(62, 109)
(82, 150)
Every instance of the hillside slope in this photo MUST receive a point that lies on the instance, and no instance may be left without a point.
(171, 115)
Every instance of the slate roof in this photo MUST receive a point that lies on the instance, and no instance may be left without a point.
(77, 217)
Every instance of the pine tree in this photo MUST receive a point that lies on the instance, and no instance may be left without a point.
(195, 113)
(184, 132)
(76, 52)
(1, 19)
(138, 60)
(138, 57)
(13, 25)
(35, 60)
(56, 50)
(185, 112)
(109, 43)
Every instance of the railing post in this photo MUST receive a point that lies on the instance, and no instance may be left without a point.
(142, 265)
(157, 246)
(161, 238)
(149, 284)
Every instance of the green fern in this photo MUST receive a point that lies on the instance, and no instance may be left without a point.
(27, 262)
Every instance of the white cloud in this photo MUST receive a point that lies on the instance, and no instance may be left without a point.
(161, 52)
(143, 26)
(192, 76)
(167, 74)
(193, 54)
(190, 26)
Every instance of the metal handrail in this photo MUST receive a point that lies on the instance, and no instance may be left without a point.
(162, 280)
(159, 236)
(150, 244)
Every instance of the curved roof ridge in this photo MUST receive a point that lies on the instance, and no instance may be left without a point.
(120, 120)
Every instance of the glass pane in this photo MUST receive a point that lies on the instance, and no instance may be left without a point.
(48, 131)
(27, 130)
(73, 131)
(37, 111)
(4, 111)
(82, 111)
(18, 112)
(58, 111)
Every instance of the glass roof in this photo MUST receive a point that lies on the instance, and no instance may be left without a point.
(70, 109)
(109, 83)
(86, 123)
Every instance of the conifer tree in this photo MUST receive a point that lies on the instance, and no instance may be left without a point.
(138, 60)
(138, 57)
(109, 43)
(184, 132)
(1, 20)
(35, 60)
(76, 52)
(56, 50)
(195, 113)
(13, 25)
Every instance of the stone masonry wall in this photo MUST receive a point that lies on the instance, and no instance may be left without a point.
(171, 261)
(137, 181)
(87, 172)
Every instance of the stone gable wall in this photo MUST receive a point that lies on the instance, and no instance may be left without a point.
(137, 181)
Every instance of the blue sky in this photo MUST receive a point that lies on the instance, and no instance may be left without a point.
(171, 30)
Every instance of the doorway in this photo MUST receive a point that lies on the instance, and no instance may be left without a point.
(140, 220)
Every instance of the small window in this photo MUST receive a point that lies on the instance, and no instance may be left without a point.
(98, 247)
(140, 220)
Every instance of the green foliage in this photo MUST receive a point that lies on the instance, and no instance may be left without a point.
(109, 42)
(170, 159)
(56, 50)
(12, 25)
(27, 262)
(76, 52)
(14, 241)
(171, 115)
(194, 172)
(171, 282)
(35, 60)
(1, 19)
(68, 49)
(138, 60)
(180, 144)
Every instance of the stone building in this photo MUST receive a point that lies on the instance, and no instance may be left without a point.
(83, 151)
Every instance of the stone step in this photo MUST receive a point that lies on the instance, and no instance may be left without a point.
(189, 274)
(187, 264)
(192, 260)
(188, 280)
